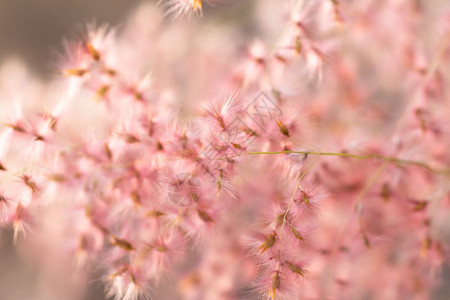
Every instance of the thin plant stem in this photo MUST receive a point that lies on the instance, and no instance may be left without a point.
(392, 159)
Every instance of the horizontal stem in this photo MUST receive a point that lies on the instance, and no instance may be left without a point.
(365, 156)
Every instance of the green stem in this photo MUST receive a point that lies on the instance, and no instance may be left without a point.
(393, 159)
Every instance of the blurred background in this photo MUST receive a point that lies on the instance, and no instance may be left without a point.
(31, 31)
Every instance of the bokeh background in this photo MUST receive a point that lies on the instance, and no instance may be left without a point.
(32, 31)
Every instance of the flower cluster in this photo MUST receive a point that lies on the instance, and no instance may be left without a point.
(194, 156)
